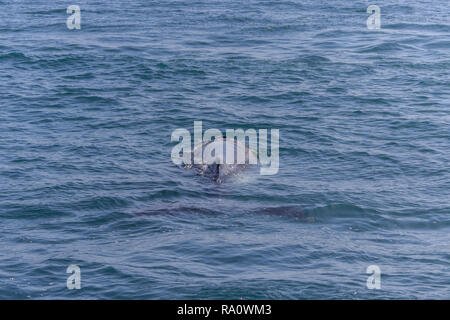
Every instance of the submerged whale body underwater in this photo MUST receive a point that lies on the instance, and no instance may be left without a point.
(211, 159)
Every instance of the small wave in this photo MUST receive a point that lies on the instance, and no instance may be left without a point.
(15, 56)
(418, 27)
(382, 47)
(100, 203)
(438, 45)
(31, 212)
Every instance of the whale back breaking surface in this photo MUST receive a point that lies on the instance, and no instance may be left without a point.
(215, 166)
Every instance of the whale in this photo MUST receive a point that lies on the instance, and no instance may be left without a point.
(287, 211)
(211, 159)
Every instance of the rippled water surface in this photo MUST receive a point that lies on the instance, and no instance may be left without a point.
(86, 177)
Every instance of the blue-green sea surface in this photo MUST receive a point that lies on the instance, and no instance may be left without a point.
(86, 175)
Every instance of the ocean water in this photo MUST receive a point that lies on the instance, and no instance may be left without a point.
(86, 177)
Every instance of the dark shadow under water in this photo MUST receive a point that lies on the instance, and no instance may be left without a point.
(292, 211)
